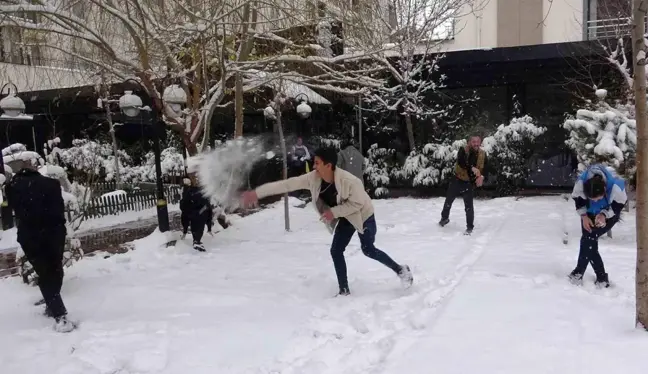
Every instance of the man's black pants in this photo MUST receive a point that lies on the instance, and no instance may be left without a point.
(589, 253)
(44, 250)
(465, 189)
(343, 233)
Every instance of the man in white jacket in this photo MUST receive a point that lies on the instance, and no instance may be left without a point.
(341, 196)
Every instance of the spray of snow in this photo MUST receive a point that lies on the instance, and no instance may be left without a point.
(223, 171)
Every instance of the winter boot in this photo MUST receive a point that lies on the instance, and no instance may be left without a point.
(602, 281)
(344, 291)
(468, 231)
(576, 277)
(405, 275)
(64, 325)
(198, 246)
(443, 222)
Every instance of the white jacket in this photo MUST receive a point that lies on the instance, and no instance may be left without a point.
(353, 202)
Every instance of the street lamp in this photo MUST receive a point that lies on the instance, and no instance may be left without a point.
(303, 109)
(174, 97)
(13, 108)
(131, 106)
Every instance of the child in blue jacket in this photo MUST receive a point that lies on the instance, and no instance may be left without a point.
(599, 196)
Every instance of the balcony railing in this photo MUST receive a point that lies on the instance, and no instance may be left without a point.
(609, 28)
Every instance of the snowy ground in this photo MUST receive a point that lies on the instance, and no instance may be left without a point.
(260, 301)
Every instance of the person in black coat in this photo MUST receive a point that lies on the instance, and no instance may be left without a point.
(195, 212)
(40, 215)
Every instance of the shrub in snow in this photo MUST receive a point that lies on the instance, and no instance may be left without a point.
(432, 165)
(604, 134)
(380, 168)
(93, 159)
(509, 150)
(326, 141)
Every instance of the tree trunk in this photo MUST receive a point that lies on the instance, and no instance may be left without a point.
(284, 155)
(114, 146)
(410, 131)
(639, 15)
(238, 103)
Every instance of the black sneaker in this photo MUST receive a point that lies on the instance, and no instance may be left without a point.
(199, 247)
(602, 281)
(576, 277)
(468, 231)
(344, 292)
(443, 222)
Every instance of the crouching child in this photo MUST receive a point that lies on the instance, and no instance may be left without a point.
(600, 197)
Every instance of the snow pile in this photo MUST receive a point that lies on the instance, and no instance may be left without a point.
(223, 171)
(604, 134)
(434, 164)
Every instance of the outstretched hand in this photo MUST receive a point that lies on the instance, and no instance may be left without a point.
(327, 216)
(249, 199)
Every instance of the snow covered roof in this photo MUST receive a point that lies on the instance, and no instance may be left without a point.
(284, 83)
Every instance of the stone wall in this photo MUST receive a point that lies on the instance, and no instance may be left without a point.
(109, 239)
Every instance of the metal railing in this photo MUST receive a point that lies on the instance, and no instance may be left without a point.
(609, 28)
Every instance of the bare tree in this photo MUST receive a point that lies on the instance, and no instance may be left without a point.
(206, 47)
(640, 11)
(412, 33)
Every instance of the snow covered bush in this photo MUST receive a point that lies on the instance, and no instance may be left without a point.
(432, 165)
(91, 158)
(380, 167)
(509, 150)
(605, 134)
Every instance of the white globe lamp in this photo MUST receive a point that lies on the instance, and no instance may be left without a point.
(12, 105)
(130, 104)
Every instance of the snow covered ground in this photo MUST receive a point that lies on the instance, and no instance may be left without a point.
(260, 301)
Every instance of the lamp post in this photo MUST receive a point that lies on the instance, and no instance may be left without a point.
(14, 109)
(303, 110)
(131, 106)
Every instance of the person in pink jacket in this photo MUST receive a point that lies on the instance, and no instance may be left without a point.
(337, 195)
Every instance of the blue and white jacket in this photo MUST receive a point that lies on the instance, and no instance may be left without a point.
(615, 194)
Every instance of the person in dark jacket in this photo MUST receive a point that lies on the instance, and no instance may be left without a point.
(195, 212)
(599, 197)
(40, 215)
(469, 173)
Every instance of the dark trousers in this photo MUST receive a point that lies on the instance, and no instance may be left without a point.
(589, 253)
(44, 250)
(341, 238)
(465, 189)
(198, 222)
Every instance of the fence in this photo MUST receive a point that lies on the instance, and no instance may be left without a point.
(101, 188)
(130, 201)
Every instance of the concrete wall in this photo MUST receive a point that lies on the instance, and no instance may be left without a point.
(563, 21)
(510, 23)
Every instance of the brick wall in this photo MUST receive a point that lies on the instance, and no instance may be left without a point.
(110, 239)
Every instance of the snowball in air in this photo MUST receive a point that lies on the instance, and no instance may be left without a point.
(270, 155)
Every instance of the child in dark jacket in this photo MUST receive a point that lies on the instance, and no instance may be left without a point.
(196, 212)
